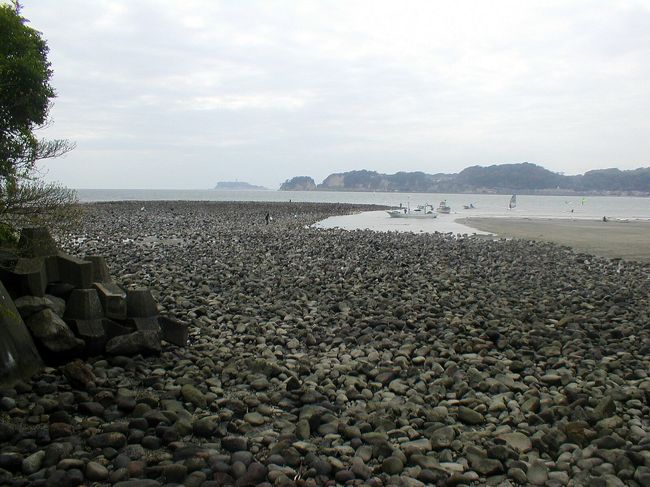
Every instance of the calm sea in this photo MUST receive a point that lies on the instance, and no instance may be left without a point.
(621, 207)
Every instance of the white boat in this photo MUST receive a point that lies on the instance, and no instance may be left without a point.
(443, 207)
(420, 211)
(513, 202)
(469, 207)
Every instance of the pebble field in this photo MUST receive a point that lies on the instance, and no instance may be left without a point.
(332, 357)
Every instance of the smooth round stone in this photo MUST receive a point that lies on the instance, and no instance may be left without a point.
(96, 472)
(33, 462)
(254, 419)
(175, 473)
(7, 403)
(238, 469)
(537, 473)
(343, 476)
(392, 465)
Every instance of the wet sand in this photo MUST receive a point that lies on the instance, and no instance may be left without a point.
(612, 239)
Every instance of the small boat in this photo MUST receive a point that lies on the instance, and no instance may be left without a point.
(420, 211)
(443, 207)
(513, 202)
(469, 207)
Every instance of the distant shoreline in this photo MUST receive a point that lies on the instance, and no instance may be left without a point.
(496, 192)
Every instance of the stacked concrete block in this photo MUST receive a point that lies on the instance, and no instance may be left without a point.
(24, 276)
(112, 298)
(84, 314)
(173, 331)
(142, 310)
(100, 271)
(73, 306)
(75, 271)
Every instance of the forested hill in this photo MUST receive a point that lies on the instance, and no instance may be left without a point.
(502, 178)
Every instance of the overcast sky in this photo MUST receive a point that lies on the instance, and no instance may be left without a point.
(182, 94)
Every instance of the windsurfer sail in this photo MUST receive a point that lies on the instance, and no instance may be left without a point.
(513, 202)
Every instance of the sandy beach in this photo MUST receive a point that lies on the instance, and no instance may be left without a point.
(612, 239)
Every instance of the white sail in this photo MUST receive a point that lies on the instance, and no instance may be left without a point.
(513, 202)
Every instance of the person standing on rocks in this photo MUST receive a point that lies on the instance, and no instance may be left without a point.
(267, 217)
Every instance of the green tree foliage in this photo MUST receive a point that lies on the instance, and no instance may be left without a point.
(25, 100)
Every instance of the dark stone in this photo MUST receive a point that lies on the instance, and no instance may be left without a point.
(28, 305)
(144, 342)
(234, 443)
(343, 476)
(174, 473)
(138, 483)
(11, 462)
(60, 430)
(53, 333)
(91, 408)
(103, 440)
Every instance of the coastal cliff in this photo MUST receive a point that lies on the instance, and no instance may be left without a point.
(500, 178)
(299, 183)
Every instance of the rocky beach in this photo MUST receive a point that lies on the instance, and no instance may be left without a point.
(324, 357)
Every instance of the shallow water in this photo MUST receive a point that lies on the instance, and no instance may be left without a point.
(590, 207)
(380, 221)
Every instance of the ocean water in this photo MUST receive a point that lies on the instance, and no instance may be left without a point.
(488, 205)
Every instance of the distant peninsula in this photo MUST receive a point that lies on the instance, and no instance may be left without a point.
(523, 178)
(238, 186)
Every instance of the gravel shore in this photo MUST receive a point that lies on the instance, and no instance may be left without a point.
(323, 357)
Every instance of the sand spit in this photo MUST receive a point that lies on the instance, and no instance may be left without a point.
(352, 357)
(614, 239)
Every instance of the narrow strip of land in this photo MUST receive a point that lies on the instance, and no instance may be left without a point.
(627, 240)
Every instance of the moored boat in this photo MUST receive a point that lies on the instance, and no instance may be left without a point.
(443, 207)
(420, 211)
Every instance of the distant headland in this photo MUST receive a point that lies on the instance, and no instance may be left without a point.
(237, 186)
(523, 178)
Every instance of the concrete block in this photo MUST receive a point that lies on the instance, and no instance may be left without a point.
(52, 268)
(173, 331)
(60, 290)
(26, 276)
(36, 242)
(113, 329)
(75, 271)
(144, 324)
(92, 333)
(83, 304)
(100, 269)
(140, 304)
(112, 298)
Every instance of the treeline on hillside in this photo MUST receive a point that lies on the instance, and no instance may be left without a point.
(523, 177)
